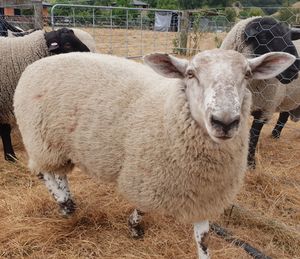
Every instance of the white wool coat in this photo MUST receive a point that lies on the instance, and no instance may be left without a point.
(122, 122)
(86, 38)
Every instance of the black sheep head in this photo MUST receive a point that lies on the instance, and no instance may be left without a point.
(64, 41)
(266, 34)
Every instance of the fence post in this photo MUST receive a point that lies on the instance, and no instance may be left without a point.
(38, 14)
(184, 29)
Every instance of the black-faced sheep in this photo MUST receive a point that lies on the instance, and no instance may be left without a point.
(16, 54)
(176, 145)
(254, 37)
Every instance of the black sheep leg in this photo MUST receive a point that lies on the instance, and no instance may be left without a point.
(9, 153)
(255, 130)
(283, 118)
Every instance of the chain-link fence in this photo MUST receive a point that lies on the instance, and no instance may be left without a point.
(134, 32)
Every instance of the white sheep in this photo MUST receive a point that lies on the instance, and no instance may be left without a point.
(256, 36)
(174, 146)
(16, 54)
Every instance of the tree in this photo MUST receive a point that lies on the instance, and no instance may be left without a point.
(230, 14)
(190, 4)
(167, 4)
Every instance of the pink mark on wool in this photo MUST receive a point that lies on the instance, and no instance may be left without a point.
(74, 123)
(37, 97)
(73, 127)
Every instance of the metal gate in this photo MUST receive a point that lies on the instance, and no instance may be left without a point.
(128, 32)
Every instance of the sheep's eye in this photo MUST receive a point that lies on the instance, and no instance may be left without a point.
(248, 74)
(190, 74)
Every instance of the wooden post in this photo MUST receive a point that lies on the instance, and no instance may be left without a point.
(38, 14)
(184, 30)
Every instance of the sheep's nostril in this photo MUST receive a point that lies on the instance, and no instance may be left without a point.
(216, 122)
(225, 125)
(235, 123)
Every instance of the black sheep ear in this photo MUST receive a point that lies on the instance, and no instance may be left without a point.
(252, 30)
(295, 33)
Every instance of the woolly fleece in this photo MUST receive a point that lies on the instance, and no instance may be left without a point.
(122, 122)
(16, 54)
(86, 38)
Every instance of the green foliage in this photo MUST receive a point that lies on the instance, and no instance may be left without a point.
(253, 11)
(218, 41)
(230, 14)
(269, 3)
(167, 4)
(190, 4)
(290, 15)
(219, 3)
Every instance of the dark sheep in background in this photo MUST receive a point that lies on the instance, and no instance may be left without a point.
(256, 36)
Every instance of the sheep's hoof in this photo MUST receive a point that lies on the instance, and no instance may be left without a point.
(67, 208)
(137, 232)
(11, 158)
(135, 224)
(275, 134)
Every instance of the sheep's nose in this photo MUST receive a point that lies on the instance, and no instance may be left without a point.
(225, 124)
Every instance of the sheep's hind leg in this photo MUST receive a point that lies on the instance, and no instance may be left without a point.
(282, 120)
(59, 188)
(201, 236)
(9, 153)
(135, 224)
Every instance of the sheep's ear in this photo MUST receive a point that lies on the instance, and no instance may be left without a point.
(167, 65)
(252, 29)
(270, 65)
(295, 34)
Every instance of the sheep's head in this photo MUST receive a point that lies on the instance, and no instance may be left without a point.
(215, 84)
(64, 41)
(266, 34)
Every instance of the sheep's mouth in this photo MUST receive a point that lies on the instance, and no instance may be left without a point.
(224, 137)
(219, 138)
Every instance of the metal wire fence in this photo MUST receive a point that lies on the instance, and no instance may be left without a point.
(134, 32)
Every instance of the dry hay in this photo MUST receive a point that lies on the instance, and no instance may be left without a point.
(267, 215)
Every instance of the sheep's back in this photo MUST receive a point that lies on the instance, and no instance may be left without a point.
(15, 55)
(85, 103)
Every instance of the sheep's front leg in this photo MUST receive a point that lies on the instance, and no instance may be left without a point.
(59, 188)
(201, 236)
(135, 224)
(255, 130)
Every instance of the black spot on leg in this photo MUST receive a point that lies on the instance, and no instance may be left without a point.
(40, 176)
(204, 242)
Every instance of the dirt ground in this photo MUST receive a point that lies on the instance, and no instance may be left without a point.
(136, 43)
(266, 212)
